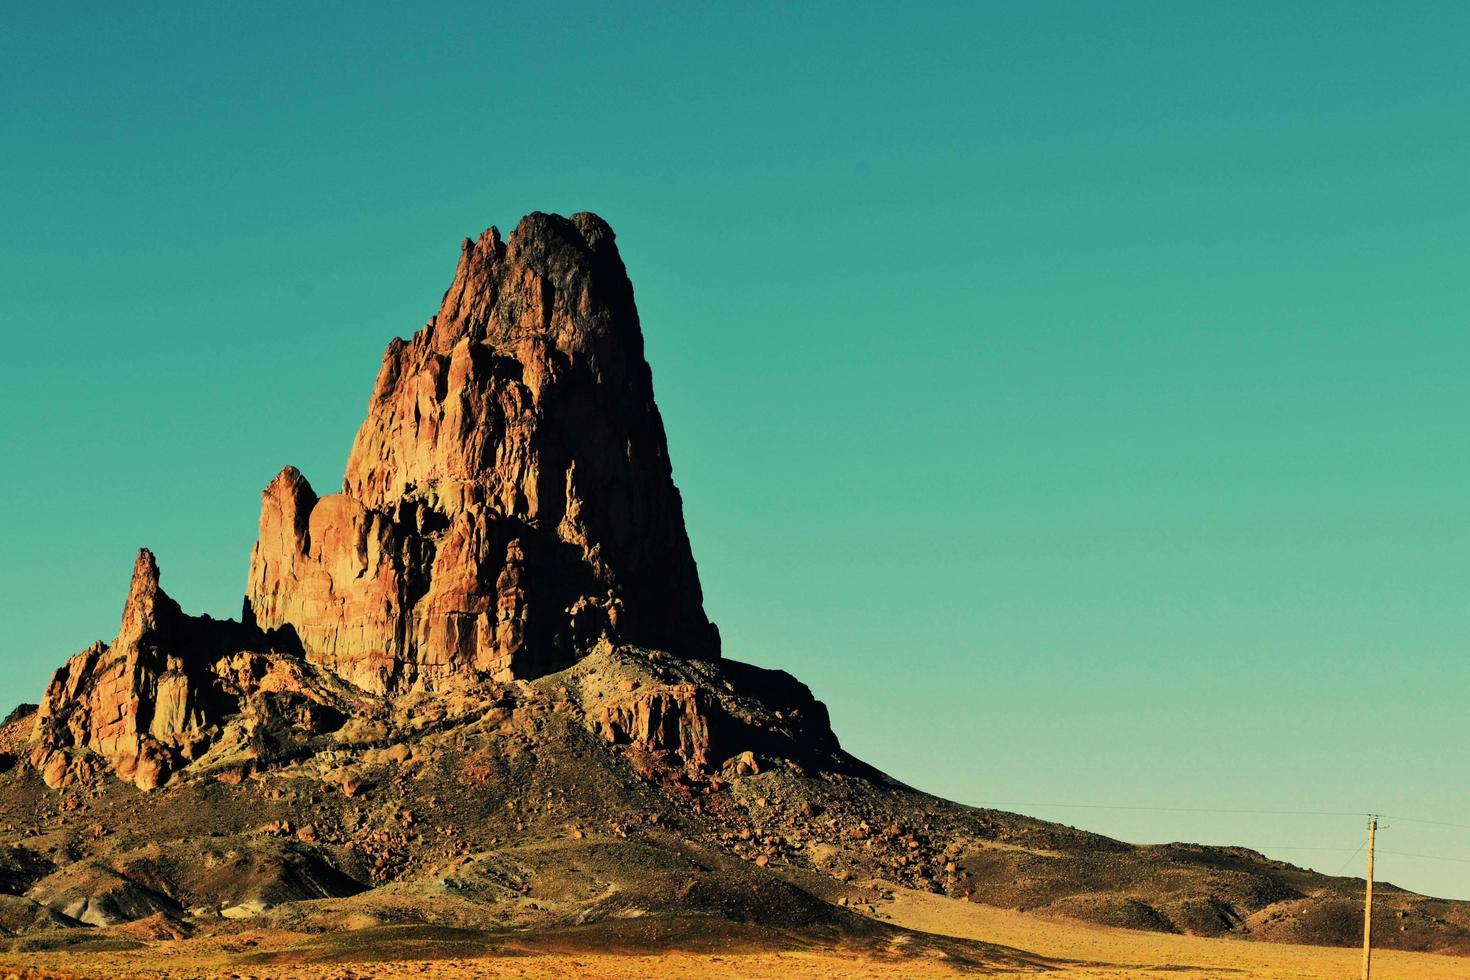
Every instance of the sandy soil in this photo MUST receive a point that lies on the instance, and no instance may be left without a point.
(1069, 948)
(1097, 951)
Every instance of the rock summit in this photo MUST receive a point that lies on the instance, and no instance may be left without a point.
(508, 507)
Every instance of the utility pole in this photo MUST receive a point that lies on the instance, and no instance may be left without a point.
(1368, 904)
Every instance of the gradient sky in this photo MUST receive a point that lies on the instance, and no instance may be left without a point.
(1074, 395)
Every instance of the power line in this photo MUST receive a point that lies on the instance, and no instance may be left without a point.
(1429, 857)
(1358, 850)
(1273, 813)
(1180, 809)
(1432, 823)
(1202, 809)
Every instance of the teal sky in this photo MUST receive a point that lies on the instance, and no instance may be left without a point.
(1074, 395)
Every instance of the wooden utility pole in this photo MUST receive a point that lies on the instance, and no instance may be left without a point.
(1368, 905)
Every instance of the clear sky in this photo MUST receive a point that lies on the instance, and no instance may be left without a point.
(1074, 395)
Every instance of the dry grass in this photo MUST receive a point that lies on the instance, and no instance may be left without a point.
(1097, 951)
(1075, 949)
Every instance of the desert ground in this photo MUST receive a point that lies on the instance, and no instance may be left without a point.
(1087, 950)
(1021, 943)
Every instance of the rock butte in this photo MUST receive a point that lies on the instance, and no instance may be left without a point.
(482, 672)
(508, 507)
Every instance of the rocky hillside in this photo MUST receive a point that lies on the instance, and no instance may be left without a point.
(478, 686)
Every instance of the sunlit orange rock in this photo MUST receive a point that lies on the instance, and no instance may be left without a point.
(508, 507)
(508, 501)
(152, 701)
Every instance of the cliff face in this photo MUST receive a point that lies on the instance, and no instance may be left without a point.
(508, 502)
(508, 508)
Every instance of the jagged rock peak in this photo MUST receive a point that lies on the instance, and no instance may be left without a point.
(147, 605)
(508, 502)
(508, 509)
(544, 250)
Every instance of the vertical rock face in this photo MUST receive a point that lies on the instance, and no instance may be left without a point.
(508, 502)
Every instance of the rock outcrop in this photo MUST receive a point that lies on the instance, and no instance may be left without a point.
(508, 507)
(508, 501)
(132, 703)
(698, 716)
(159, 696)
(675, 720)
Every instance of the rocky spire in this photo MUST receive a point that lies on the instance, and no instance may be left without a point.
(123, 702)
(508, 508)
(169, 689)
(147, 607)
(508, 501)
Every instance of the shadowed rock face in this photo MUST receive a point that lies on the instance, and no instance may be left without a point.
(508, 501)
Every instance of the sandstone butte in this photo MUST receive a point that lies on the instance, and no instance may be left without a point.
(431, 662)
(508, 507)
